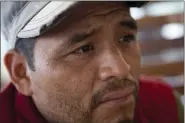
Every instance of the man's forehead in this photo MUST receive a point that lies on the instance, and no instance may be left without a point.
(102, 7)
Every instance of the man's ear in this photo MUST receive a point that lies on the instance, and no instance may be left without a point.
(16, 66)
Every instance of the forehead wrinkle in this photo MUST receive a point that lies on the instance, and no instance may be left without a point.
(96, 13)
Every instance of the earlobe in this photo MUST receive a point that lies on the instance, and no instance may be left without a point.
(16, 66)
(23, 86)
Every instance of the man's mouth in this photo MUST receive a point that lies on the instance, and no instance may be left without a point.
(118, 95)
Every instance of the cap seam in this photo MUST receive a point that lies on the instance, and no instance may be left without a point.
(31, 29)
(49, 13)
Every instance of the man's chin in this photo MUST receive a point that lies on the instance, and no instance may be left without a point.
(116, 111)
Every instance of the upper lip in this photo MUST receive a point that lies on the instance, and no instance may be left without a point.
(118, 94)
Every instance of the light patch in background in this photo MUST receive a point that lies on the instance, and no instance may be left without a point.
(175, 81)
(165, 56)
(172, 31)
(164, 8)
(137, 13)
(182, 99)
(172, 55)
(4, 49)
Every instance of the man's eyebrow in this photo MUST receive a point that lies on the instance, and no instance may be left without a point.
(78, 37)
(130, 23)
(75, 38)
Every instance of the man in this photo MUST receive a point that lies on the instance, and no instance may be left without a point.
(78, 62)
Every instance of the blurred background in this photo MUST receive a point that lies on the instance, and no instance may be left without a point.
(161, 37)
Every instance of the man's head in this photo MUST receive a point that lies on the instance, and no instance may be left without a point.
(83, 70)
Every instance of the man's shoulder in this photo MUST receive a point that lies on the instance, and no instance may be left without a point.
(154, 86)
(156, 91)
(7, 104)
(157, 100)
(8, 92)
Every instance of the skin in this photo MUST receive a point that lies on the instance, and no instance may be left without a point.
(74, 73)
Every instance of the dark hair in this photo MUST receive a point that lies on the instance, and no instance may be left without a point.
(25, 46)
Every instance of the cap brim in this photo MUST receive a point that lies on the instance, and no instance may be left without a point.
(49, 13)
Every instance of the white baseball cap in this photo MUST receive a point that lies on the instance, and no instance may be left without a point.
(28, 19)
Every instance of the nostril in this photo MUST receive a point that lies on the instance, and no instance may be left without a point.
(111, 72)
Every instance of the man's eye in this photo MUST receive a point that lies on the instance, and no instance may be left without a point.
(127, 39)
(84, 49)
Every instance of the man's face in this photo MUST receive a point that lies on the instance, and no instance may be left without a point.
(88, 66)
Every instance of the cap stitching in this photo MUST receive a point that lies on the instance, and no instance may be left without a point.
(48, 14)
(40, 20)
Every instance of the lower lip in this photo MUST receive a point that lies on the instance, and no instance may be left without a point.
(120, 101)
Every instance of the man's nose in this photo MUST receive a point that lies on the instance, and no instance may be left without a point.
(113, 65)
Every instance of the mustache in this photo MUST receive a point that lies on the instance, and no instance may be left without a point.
(113, 86)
